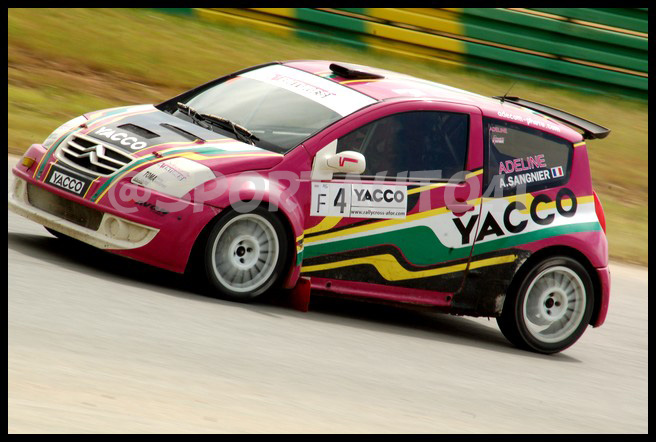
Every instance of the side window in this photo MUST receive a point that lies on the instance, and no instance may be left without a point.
(421, 144)
(517, 155)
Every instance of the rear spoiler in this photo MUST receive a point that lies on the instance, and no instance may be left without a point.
(590, 129)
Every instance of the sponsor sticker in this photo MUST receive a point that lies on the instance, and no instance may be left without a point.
(525, 178)
(359, 200)
(121, 138)
(175, 177)
(539, 121)
(522, 164)
(68, 181)
(334, 96)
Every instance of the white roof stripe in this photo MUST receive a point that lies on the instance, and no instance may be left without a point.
(340, 99)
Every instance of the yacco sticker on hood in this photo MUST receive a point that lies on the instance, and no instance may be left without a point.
(334, 96)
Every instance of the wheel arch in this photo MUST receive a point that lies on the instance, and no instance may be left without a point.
(283, 217)
(570, 252)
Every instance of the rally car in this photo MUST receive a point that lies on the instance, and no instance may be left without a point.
(358, 181)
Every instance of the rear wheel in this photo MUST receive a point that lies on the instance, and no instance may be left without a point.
(550, 308)
(245, 254)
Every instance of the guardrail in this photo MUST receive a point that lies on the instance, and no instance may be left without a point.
(602, 49)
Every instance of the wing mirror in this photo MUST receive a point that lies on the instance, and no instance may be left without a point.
(346, 162)
(327, 161)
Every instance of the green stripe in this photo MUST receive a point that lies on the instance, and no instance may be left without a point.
(564, 28)
(525, 238)
(622, 18)
(555, 43)
(420, 246)
(322, 26)
(557, 66)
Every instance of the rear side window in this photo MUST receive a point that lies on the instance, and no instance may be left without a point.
(518, 156)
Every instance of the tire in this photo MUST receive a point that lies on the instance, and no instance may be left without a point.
(245, 254)
(550, 307)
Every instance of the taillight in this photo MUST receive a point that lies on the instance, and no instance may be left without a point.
(599, 211)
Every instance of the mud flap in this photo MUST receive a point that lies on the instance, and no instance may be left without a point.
(300, 294)
(484, 290)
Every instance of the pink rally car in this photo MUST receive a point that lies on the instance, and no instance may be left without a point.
(357, 181)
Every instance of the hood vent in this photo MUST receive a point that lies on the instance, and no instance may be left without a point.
(137, 130)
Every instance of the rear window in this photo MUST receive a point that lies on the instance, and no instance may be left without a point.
(521, 157)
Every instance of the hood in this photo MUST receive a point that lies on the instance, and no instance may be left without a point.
(142, 132)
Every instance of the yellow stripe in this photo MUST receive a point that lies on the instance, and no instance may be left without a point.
(581, 144)
(89, 188)
(327, 223)
(391, 270)
(415, 37)
(415, 18)
(371, 80)
(386, 223)
(446, 59)
(473, 174)
(436, 185)
(429, 187)
(283, 12)
(279, 26)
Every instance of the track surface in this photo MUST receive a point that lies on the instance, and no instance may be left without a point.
(98, 343)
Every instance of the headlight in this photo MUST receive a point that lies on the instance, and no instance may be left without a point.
(61, 130)
(174, 177)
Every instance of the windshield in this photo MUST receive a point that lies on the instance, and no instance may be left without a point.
(281, 106)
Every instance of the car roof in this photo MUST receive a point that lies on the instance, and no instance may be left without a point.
(394, 85)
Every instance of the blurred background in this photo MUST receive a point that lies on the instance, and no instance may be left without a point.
(591, 62)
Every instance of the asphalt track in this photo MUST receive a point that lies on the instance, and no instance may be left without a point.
(101, 344)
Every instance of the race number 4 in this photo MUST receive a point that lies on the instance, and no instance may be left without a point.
(358, 200)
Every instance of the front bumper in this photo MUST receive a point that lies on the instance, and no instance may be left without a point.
(133, 229)
(112, 232)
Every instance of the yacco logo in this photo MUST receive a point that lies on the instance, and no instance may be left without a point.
(378, 195)
(67, 182)
(122, 137)
(491, 225)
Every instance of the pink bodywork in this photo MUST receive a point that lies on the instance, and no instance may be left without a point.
(171, 248)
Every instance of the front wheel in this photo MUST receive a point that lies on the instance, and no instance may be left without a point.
(550, 308)
(245, 254)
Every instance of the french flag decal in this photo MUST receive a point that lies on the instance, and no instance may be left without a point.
(557, 172)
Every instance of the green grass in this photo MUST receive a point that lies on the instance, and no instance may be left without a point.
(64, 62)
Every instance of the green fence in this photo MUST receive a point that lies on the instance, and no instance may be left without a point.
(602, 49)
